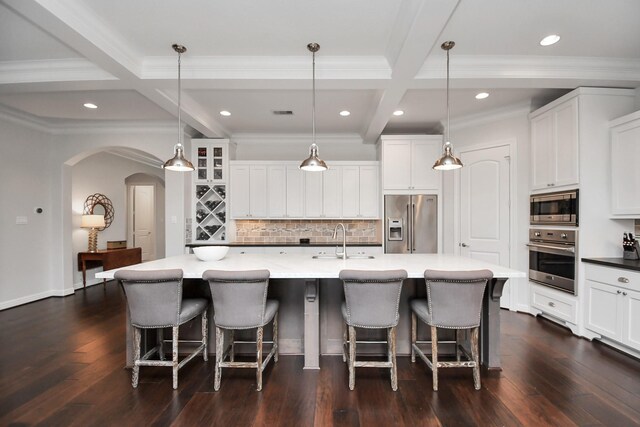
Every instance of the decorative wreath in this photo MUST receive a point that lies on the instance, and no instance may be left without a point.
(99, 200)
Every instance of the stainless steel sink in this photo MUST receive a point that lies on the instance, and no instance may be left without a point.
(328, 256)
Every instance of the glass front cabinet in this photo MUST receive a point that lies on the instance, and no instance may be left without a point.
(210, 179)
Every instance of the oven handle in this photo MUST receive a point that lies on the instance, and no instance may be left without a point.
(570, 249)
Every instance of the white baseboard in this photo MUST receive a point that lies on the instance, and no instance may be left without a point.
(90, 282)
(24, 300)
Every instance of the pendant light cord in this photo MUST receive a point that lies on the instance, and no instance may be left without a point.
(313, 101)
(448, 120)
(179, 109)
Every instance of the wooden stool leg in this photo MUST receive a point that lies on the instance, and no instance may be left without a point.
(392, 358)
(352, 357)
(275, 338)
(160, 343)
(458, 341)
(205, 336)
(476, 358)
(259, 358)
(414, 335)
(434, 356)
(345, 340)
(136, 357)
(219, 353)
(174, 342)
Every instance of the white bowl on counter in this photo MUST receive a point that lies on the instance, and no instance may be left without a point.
(210, 253)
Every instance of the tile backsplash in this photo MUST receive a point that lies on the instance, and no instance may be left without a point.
(290, 231)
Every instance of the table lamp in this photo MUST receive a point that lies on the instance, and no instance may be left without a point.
(92, 222)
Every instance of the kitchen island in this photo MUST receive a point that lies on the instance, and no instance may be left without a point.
(306, 276)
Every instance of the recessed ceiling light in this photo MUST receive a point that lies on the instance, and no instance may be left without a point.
(90, 105)
(482, 95)
(398, 113)
(225, 113)
(344, 113)
(549, 40)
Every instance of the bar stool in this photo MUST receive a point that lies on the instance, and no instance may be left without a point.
(155, 301)
(240, 302)
(454, 301)
(371, 302)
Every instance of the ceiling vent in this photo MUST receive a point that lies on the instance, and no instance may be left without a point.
(283, 112)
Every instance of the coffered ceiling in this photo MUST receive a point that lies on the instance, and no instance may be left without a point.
(249, 58)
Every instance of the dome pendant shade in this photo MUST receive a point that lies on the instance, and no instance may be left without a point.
(313, 163)
(178, 163)
(448, 161)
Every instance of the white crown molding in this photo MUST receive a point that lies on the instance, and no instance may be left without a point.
(54, 70)
(478, 119)
(267, 67)
(300, 138)
(73, 127)
(532, 67)
(137, 157)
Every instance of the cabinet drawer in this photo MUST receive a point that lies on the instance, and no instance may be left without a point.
(558, 306)
(613, 276)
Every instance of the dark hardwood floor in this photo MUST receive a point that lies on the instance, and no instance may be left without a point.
(61, 363)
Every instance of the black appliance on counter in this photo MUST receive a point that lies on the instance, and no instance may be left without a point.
(552, 258)
(559, 208)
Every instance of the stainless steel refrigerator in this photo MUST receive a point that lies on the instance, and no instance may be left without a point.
(411, 224)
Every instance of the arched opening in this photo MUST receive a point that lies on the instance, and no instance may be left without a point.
(145, 214)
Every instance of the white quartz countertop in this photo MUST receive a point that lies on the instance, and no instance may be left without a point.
(302, 266)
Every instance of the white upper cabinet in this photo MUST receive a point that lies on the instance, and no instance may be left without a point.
(625, 173)
(554, 146)
(210, 157)
(360, 195)
(407, 161)
(249, 195)
(279, 190)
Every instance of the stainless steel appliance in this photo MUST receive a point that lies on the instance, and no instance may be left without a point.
(554, 208)
(411, 224)
(552, 258)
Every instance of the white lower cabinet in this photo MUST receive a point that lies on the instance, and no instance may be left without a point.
(613, 304)
(559, 305)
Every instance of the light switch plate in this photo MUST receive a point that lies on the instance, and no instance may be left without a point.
(21, 220)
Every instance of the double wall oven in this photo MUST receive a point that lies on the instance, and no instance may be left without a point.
(552, 252)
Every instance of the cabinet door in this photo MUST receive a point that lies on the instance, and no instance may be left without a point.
(631, 326)
(350, 191)
(295, 192)
(396, 169)
(276, 192)
(369, 194)
(313, 194)
(201, 157)
(241, 195)
(604, 315)
(423, 155)
(542, 151)
(625, 174)
(258, 191)
(332, 193)
(566, 143)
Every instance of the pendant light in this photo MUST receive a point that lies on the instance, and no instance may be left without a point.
(448, 161)
(313, 163)
(178, 162)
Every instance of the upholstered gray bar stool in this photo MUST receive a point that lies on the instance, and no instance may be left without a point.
(155, 302)
(371, 302)
(240, 302)
(454, 301)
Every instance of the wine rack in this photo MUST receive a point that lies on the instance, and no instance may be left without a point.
(210, 213)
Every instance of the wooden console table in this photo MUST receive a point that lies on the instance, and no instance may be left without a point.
(109, 259)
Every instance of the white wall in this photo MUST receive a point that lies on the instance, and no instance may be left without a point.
(268, 150)
(511, 128)
(102, 173)
(24, 185)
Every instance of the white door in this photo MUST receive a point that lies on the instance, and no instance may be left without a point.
(332, 192)
(295, 192)
(604, 315)
(484, 206)
(396, 169)
(369, 194)
(240, 197)
(542, 151)
(631, 310)
(258, 191)
(144, 220)
(350, 191)
(277, 192)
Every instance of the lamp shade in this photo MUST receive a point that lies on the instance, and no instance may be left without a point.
(448, 161)
(178, 163)
(313, 163)
(92, 221)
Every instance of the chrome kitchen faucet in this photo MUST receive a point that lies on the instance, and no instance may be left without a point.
(342, 255)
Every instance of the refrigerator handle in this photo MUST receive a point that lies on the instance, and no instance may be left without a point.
(410, 230)
(413, 232)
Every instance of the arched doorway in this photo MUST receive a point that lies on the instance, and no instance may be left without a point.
(145, 214)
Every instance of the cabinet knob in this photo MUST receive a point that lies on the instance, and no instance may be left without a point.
(623, 280)
(624, 294)
(619, 291)
(283, 253)
(551, 304)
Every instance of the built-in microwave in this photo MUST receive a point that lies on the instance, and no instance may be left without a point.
(554, 208)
